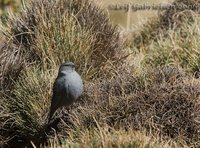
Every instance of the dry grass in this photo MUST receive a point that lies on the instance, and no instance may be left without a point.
(171, 40)
(104, 137)
(83, 29)
(167, 106)
(45, 34)
(183, 12)
(119, 103)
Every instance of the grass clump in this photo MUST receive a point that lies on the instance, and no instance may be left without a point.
(45, 34)
(27, 102)
(167, 106)
(179, 14)
(172, 39)
(104, 137)
(181, 49)
(51, 31)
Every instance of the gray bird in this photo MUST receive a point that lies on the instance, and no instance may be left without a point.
(67, 87)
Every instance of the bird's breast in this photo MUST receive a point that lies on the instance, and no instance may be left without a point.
(74, 84)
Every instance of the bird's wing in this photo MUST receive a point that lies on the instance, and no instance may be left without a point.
(57, 92)
(55, 101)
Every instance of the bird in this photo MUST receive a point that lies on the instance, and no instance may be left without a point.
(67, 88)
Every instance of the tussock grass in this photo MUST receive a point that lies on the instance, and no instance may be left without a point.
(180, 48)
(104, 137)
(158, 95)
(50, 31)
(27, 102)
(45, 34)
(172, 39)
(182, 12)
(166, 106)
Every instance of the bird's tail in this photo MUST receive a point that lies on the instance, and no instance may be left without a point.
(53, 108)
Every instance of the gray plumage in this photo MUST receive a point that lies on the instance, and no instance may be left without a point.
(67, 87)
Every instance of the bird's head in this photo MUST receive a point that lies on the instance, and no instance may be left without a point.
(66, 67)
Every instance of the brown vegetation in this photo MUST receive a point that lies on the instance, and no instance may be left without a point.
(162, 100)
(180, 13)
